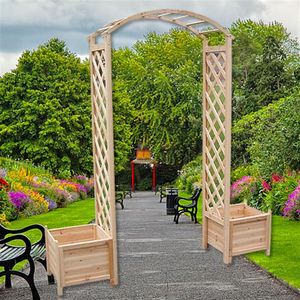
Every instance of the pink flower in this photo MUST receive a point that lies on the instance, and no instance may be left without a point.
(266, 186)
(276, 178)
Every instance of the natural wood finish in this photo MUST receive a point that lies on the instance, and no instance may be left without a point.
(249, 230)
(225, 226)
(174, 16)
(268, 232)
(110, 140)
(79, 254)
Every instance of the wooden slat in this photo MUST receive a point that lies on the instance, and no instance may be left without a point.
(250, 219)
(215, 49)
(195, 23)
(96, 47)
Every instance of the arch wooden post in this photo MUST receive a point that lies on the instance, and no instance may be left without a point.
(103, 145)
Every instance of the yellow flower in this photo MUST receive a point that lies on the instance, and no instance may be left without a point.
(3, 220)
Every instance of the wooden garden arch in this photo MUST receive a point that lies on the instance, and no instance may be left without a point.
(219, 227)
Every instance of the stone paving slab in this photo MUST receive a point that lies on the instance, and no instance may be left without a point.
(164, 261)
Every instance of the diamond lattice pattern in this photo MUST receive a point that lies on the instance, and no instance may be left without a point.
(100, 143)
(214, 132)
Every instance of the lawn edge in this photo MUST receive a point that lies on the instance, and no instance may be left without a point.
(283, 282)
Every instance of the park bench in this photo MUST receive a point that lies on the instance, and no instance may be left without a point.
(125, 189)
(187, 205)
(10, 255)
(162, 193)
(121, 192)
(120, 198)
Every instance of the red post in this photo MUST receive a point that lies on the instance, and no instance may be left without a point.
(132, 176)
(154, 177)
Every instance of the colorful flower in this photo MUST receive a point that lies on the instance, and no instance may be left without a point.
(3, 173)
(292, 205)
(266, 186)
(18, 199)
(276, 178)
(240, 185)
(4, 184)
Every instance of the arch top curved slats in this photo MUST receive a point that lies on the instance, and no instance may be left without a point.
(198, 24)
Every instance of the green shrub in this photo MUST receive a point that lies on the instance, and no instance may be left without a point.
(190, 175)
(269, 138)
(275, 198)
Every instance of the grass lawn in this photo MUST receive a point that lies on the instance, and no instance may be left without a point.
(284, 261)
(77, 213)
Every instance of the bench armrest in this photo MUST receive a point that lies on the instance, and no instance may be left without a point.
(18, 237)
(4, 231)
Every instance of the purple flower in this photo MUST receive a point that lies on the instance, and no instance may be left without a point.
(3, 173)
(18, 199)
(51, 204)
(292, 205)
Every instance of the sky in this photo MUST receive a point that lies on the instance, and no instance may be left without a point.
(25, 24)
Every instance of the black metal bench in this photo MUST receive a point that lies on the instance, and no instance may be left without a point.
(120, 198)
(10, 255)
(125, 189)
(188, 205)
(162, 193)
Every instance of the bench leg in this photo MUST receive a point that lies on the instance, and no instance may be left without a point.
(29, 278)
(7, 277)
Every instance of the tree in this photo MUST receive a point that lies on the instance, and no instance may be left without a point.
(269, 137)
(45, 110)
(265, 64)
(163, 79)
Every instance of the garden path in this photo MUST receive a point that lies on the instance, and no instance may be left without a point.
(161, 260)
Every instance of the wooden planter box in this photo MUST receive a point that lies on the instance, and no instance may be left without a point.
(78, 254)
(249, 230)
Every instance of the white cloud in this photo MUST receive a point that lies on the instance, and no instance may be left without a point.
(8, 61)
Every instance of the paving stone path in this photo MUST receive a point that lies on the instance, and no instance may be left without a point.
(161, 260)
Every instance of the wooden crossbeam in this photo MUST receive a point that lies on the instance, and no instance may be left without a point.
(195, 23)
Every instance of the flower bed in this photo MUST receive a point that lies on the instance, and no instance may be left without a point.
(281, 194)
(23, 193)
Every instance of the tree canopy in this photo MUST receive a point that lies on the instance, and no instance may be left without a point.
(45, 111)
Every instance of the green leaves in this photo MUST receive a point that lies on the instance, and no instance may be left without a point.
(162, 77)
(45, 110)
(270, 137)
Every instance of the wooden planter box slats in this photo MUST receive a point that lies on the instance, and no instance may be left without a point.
(78, 254)
(249, 230)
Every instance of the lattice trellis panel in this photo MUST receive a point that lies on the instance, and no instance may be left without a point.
(102, 167)
(214, 128)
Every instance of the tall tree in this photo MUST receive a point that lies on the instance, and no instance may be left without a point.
(265, 64)
(163, 79)
(45, 110)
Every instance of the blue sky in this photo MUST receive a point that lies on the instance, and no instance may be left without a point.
(24, 24)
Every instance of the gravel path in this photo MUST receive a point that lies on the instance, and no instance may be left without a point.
(161, 260)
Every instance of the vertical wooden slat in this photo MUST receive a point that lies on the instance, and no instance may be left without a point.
(204, 159)
(226, 254)
(92, 41)
(268, 233)
(110, 156)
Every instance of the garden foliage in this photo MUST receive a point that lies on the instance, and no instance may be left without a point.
(24, 192)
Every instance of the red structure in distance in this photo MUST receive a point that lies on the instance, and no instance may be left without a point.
(143, 156)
